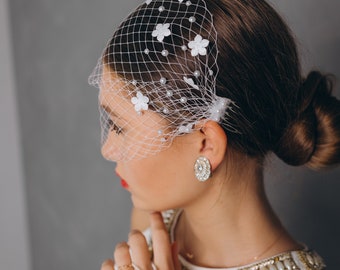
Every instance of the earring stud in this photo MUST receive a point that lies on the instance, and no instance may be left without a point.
(202, 169)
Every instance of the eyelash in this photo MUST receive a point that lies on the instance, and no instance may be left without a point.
(114, 127)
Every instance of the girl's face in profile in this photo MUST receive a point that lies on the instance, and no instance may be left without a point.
(159, 181)
(126, 133)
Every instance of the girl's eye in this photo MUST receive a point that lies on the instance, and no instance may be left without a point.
(107, 121)
(114, 127)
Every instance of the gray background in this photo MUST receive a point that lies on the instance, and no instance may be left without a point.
(75, 207)
(13, 215)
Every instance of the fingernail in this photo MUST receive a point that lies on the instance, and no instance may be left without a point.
(132, 232)
(122, 244)
(107, 265)
(155, 215)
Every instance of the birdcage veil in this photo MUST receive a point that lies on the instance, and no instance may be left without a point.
(157, 78)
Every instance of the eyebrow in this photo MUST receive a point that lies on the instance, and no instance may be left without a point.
(112, 113)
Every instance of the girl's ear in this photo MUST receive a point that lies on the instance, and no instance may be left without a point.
(213, 143)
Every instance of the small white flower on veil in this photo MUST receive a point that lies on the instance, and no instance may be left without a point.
(161, 31)
(140, 101)
(218, 108)
(186, 128)
(198, 46)
(190, 82)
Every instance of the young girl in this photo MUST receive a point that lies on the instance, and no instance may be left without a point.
(193, 96)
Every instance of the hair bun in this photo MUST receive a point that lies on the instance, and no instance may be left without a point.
(313, 137)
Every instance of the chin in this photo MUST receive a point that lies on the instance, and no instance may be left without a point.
(147, 206)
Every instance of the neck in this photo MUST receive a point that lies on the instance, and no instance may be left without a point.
(232, 225)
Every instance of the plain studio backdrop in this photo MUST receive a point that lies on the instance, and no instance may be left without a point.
(61, 204)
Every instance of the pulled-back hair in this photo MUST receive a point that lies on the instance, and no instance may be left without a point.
(277, 108)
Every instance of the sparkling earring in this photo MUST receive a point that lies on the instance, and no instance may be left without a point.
(202, 169)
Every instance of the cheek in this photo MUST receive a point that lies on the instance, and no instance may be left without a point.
(151, 182)
(137, 174)
(163, 186)
(148, 176)
(172, 181)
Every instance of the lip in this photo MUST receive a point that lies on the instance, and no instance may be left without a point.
(123, 183)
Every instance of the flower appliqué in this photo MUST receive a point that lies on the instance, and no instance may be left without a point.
(190, 82)
(218, 108)
(141, 102)
(198, 46)
(186, 128)
(161, 31)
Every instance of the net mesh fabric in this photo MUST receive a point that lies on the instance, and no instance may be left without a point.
(157, 79)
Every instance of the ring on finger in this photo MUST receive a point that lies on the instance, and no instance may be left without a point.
(133, 266)
(125, 267)
(154, 267)
(136, 267)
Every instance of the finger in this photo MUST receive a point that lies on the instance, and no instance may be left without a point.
(122, 255)
(139, 250)
(107, 265)
(160, 242)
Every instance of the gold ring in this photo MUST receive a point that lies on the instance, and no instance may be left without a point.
(154, 267)
(126, 267)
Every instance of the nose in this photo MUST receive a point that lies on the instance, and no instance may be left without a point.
(111, 151)
(117, 169)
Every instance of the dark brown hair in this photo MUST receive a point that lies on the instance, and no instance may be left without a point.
(259, 69)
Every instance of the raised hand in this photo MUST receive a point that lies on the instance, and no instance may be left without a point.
(135, 253)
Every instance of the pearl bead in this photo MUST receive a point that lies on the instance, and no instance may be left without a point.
(134, 82)
(184, 48)
(192, 19)
(146, 51)
(160, 132)
(161, 8)
(310, 259)
(280, 266)
(188, 3)
(211, 72)
(165, 110)
(169, 93)
(184, 99)
(287, 264)
(197, 73)
(165, 53)
(163, 140)
(162, 80)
